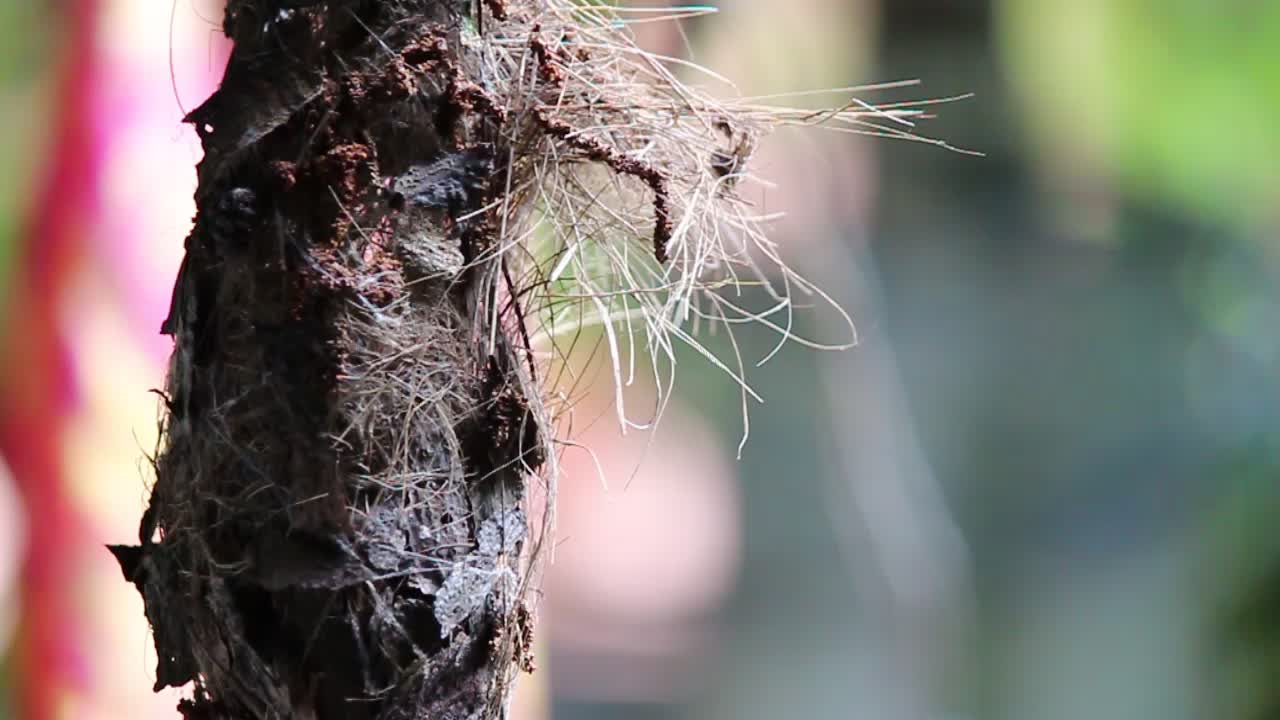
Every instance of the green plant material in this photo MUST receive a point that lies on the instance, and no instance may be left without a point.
(23, 106)
(1174, 100)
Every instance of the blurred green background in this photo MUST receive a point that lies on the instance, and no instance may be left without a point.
(1045, 483)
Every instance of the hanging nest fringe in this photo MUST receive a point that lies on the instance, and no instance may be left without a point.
(399, 201)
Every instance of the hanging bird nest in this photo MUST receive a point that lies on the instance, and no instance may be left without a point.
(399, 201)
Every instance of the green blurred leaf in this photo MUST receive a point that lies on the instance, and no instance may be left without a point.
(24, 73)
(1175, 100)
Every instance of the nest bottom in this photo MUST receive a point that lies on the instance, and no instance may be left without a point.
(351, 553)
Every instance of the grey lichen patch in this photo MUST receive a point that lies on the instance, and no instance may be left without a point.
(471, 587)
(501, 534)
(487, 575)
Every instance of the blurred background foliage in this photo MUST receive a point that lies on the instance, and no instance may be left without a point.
(24, 79)
(1045, 484)
(1171, 99)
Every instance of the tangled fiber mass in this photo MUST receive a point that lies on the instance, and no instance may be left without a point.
(404, 208)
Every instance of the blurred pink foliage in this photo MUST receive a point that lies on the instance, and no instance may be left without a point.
(101, 241)
(38, 389)
(643, 560)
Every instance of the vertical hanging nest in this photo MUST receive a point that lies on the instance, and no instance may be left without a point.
(399, 200)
